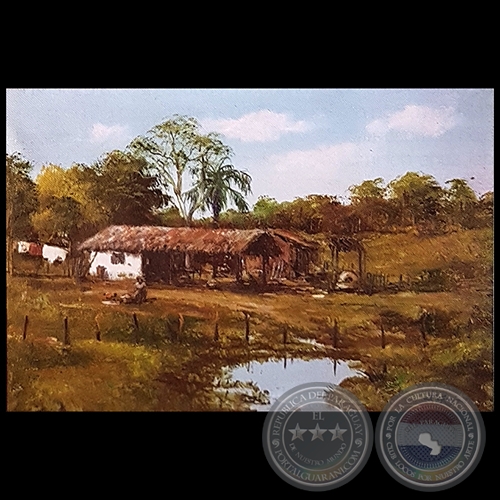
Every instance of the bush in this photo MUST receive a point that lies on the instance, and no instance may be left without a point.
(433, 280)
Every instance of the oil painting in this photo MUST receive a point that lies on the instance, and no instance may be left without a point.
(210, 249)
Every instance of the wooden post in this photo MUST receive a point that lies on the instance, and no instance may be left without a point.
(97, 332)
(238, 268)
(382, 331)
(169, 268)
(172, 333)
(247, 326)
(264, 269)
(285, 335)
(335, 333)
(136, 325)
(66, 332)
(216, 329)
(181, 326)
(25, 327)
(361, 267)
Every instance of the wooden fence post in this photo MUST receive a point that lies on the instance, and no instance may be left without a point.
(382, 331)
(97, 332)
(172, 332)
(285, 335)
(136, 325)
(247, 326)
(25, 327)
(66, 332)
(181, 327)
(216, 328)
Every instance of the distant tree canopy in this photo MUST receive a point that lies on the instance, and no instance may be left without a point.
(419, 198)
(411, 200)
(367, 190)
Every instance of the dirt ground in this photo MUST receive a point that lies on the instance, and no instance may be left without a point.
(457, 352)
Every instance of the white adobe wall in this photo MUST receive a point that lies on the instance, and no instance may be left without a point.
(130, 269)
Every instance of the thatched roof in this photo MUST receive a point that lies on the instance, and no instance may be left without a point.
(295, 240)
(137, 239)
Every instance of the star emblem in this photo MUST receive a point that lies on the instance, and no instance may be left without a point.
(297, 433)
(317, 433)
(337, 433)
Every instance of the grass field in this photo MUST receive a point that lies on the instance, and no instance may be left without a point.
(169, 362)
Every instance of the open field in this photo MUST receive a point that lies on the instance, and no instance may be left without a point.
(169, 361)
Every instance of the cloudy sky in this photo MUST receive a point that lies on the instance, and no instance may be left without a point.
(293, 142)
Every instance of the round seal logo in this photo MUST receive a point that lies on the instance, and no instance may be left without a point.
(317, 436)
(430, 437)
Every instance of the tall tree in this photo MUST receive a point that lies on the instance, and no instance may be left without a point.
(125, 191)
(217, 182)
(21, 202)
(67, 208)
(419, 196)
(462, 202)
(172, 150)
(373, 211)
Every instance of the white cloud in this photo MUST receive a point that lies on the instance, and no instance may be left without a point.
(326, 169)
(259, 126)
(100, 133)
(322, 159)
(416, 121)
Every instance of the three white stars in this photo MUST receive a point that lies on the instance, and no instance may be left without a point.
(317, 433)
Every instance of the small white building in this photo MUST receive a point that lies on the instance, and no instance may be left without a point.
(115, 265)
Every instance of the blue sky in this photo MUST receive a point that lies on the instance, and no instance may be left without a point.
(293, 142)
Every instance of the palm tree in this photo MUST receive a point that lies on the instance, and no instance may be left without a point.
(218, 183)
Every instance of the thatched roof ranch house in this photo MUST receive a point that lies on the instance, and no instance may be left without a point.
(162, 253)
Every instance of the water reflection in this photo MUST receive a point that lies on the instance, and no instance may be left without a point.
(276, 376)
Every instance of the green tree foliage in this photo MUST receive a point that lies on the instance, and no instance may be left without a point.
(419, 197)
(369, 189)
(217, 182)
(193, 169)
(485, 209)
(67, 209)
(264, 211)
(233, 219)
(21, 202)
(169, 217)
(461, 203)
(21, 196)
(125, 191)
(370, 206)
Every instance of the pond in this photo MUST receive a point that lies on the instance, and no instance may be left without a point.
(276, 376)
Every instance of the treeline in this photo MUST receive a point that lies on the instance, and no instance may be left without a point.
(413, 200)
